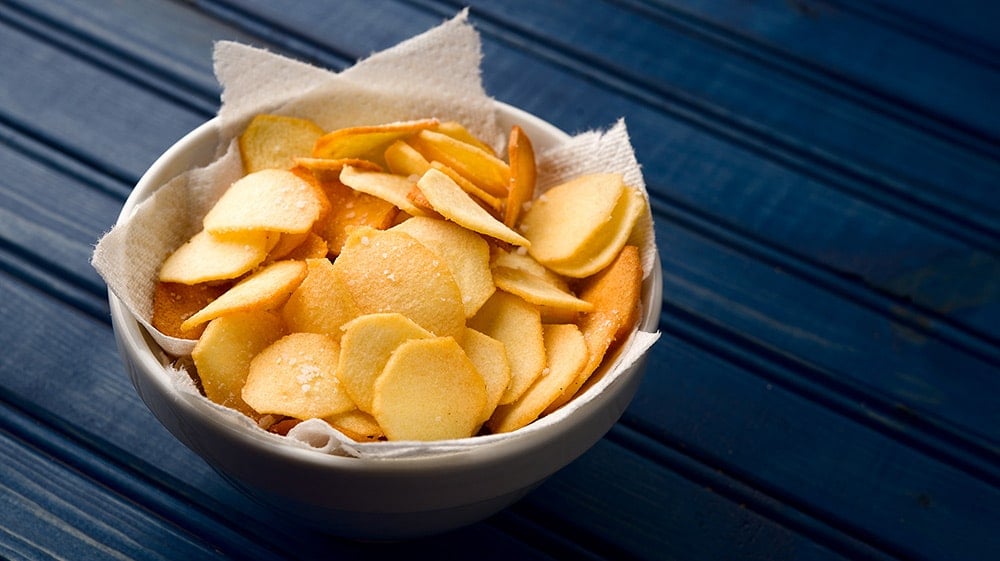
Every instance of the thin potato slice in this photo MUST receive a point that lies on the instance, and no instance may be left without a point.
(490, 202)
(475, 164)
(175, 302)
(223, 354)
(206, 257)
(272, 141)
(294, 376)
(367, 142)
(455, 204)
(465, 252)
(403, 159)
(602, 249)
(270, 199)
(615, 294)
(357, 425)
(522, 175)
(390, 271)
(455, 130)
(366, 345)
(490, 359)
(266, 289)
(518, 325)
(566, 355)
(537, 290)
(429, 390)
(325, 169)
(386, 186)
(350, 209)
(321, 302)
(286, 244)
(314, 247)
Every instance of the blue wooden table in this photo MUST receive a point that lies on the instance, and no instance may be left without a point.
(825, 181)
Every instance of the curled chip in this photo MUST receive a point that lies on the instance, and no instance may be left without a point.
(522, 175)
(429, 390)
(367, 142)
(273, 141)
(294, 376)
(266, 289)
(269, 200)
(474, 163)
(447, 198)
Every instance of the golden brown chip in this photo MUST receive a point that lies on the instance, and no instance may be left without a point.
(207, 257)
(314, 247)
(475, 164)
(350, 209)
(447, 198)
(518, 325)
(403, 159)
(320, 303)
(272, 141)
(389, 271)
(286, 244)
(490, 359)
(386, 186)
(175, 302)
(223, 354)
(325, 169)
(466, 254)
(493, 204)
(367, 142)
(429, 390)
(357, 425)
(615, 294)
(522, 175)
(566, 355)
(270, 200)
(366, 345)
(455, 130)
(295, 376)
(266, 289)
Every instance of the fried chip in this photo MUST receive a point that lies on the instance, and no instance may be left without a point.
(350, 209)
(390, 271)
(325, 169)
(366, 345)
(566, 354)
(272, 141)
(403, 159)
(489, 202)
(615, 293)
(175, 302)
(466, 254)
(222, 355)
(320, 303)
(518, 325)
(522, 175)
(313, 247)
(475, 164)
(455, 204)
(490, 359)
(429, 390)
(537, 290)
(367, 142)
(272, 200)
(295, 376)
(266, 289)
(357, 425)
(455, 130)
(386, 186)
(207, 257)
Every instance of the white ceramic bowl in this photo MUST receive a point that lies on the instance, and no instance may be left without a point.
(366, 498)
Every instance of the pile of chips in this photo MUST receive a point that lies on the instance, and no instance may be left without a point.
(401, 281)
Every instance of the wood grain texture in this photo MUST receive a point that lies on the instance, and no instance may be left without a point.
(823, 184)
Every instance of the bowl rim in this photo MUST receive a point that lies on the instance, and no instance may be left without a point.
(143, 351)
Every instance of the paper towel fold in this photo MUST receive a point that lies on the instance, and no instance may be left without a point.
(435, 74)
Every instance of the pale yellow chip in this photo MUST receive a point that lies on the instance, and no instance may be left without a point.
(386, 186)
(566, 355)
(266, 289)
(223, 353)
(518, 325)
(271, 199)
(206, 257)
(321, 302)
(429, 390)
(366, 345)
(537, 290)
(490, 358)
(357, 425)
(484, 199)
(522, 175)
(615, 293)
(390, 271)
(455, 130)
(475, 164)
(403, 159)
(447, 198)
(367, 142)
(466, 254)
(329, 168)
(273, 141)
(295, 376)
(286, 244)
(522, 260)
(607, 243)
(313, 247)
(563, 219)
